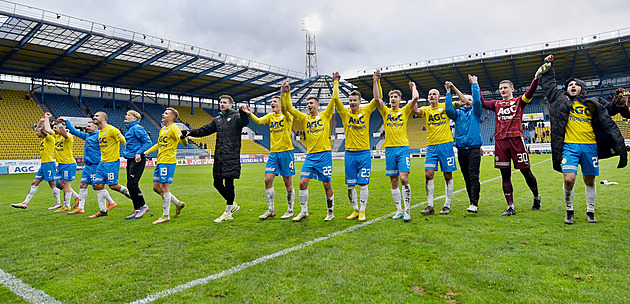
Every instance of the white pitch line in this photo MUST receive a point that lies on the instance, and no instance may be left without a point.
(237, 268)
(24, 290)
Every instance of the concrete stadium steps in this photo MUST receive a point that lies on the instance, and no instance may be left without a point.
(17, 140)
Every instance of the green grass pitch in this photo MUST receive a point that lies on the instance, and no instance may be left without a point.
(532, 257)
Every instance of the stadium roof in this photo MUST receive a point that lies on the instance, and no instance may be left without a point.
(597, 56)
(44, 44)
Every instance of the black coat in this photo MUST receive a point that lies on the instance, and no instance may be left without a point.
(227, 151)
(607, 135)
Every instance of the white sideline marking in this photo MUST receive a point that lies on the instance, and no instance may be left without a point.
(237, 268)
(24, 290)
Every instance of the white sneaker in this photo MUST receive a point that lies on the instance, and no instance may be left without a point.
(472, 209)
(268, 213)
(21, 205)
(226, 216)
(300, 216)
(329, 216)
(235, 208)
(55, 206)
(287, 215)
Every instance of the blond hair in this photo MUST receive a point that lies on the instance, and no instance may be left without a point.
(173, 111)
(135, 114)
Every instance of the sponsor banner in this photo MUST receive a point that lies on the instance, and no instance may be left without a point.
(19, 162)
(533, 116)
(182, 162)
(203, 161)
(21, 169)
(252, 160)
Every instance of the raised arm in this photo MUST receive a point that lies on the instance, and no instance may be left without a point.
(46, 124)
(548, 81)
(340, 108)
(476, 95)
(74, 131)
(448, 101)
(285, 100)
(377, 91)
(330, 108)
(255, 119)
(414, 94)
(206, 130)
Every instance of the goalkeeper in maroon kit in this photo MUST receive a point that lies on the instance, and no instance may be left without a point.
(509, 145)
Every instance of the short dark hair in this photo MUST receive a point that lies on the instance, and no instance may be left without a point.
(312, 97)
(508, 82)
(228, 97)
(356, 93)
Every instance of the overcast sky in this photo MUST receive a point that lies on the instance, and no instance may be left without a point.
(354, 34)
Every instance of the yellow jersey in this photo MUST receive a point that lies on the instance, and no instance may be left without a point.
(396, 126)
(317, 128)
(109, 139)
(356, 125)
(47, 149)
(280, 128)
(438, 124)
(63, 149)
(579, 127)
(167, 144)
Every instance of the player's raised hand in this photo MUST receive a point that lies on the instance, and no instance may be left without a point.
(245, 108)
(185, 134)
(285, 87)
(60, 119)
(47, 115)
(549, 58)
(336, 76)
(448, 85)
(472, 78)
(377, 75)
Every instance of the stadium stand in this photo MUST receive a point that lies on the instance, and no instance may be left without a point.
(199, 119)
(61, 105)
(16, 122)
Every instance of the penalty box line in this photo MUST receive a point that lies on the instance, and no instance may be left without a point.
(237, 268)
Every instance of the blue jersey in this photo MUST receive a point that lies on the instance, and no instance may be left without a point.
(137, 140)
(92, 151)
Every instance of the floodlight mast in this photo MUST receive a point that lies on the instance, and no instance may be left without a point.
(310, 25)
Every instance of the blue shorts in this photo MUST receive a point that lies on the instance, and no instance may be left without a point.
(281, 163)
(89, 174)
(47, 172)
(318, 165)
(107, 173)
(396, 160)
(66, 172)
(164, 173)
(442, 153)
(583, 154)
(358, 167)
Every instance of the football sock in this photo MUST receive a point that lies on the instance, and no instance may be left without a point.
(507, 191)
(102, 199)
(30, 194)
(396, 196)
(591, 195)
(568, 197)
(352, 196)
(66, 199)
(290, 199)
(430, 187)
(108, 198)
(83, 192)
(56, 194)
(304, 201)
(124, 191)
(365, 193)
(174, 200)
(75, 194)
(270, 194)
(166, 203)
(330, 202)
(449, 192)
(406, 193)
